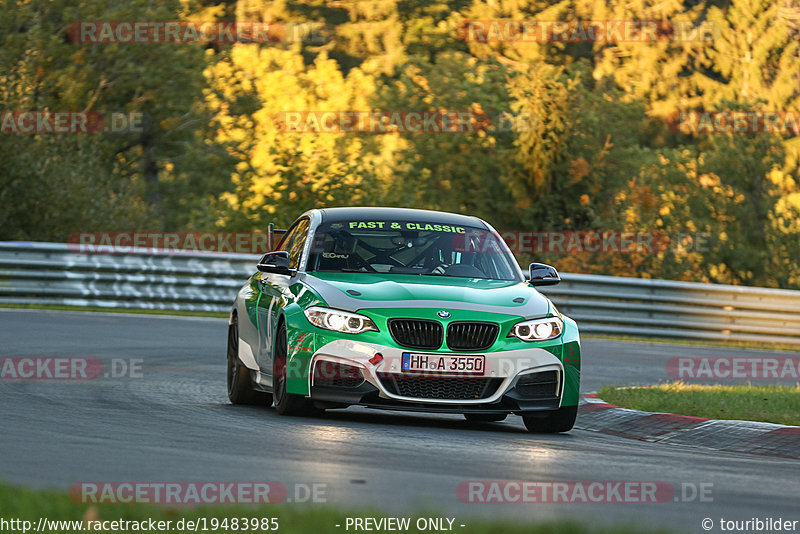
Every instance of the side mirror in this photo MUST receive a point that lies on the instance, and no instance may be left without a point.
(275, 262)
(542, 274)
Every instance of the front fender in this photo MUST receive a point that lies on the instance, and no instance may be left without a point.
(301, 342)
(571, 357)
(301, 345)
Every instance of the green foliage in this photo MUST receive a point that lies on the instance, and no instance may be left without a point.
(459, 172)
(152, 177)
(588, 147)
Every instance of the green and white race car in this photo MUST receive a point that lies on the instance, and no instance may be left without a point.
(402, 309)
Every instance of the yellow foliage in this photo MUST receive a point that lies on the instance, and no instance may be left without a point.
(709, 180)
(281, 164)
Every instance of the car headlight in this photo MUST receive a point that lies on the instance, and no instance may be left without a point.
(538, 329)
(339, 321)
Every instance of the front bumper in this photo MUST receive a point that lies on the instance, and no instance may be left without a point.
(504, 387)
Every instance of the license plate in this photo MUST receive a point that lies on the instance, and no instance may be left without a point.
(443, 363)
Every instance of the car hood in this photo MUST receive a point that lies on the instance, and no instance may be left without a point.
(359, 291)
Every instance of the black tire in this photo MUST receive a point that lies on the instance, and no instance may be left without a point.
(286, 403)
(561, 420)
(485, 417)
(240, 385)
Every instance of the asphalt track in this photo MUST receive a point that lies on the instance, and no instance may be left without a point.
(174, 423)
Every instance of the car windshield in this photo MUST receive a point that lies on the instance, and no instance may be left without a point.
(420, 248)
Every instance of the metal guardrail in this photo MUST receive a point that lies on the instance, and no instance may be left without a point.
(684, 310)
(52, 273)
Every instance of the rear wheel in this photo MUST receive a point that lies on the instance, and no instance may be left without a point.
(561, 420)
(286, 403)
(240, 385)
(485, 417)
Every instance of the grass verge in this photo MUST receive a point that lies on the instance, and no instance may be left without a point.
(771, 404)
(30, 505)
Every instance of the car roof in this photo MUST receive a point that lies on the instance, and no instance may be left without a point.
(399, 214)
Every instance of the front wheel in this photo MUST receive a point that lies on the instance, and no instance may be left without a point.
(561, 420)
(286, 403)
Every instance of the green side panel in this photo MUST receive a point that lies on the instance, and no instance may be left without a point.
(301, 346)
(571, 358)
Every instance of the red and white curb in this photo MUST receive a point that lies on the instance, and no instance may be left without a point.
(750, 437)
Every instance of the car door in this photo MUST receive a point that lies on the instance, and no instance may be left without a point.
(275, 292)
